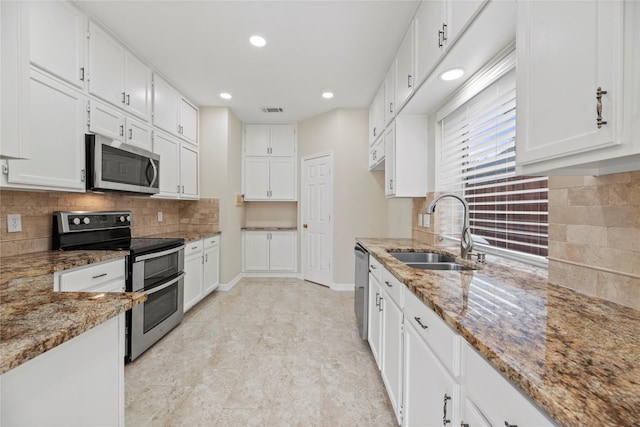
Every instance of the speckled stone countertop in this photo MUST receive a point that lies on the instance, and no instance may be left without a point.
(35, 319)
(577, 356)
(269, 228)
(188, 236)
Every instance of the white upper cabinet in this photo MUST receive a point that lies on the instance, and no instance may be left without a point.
(57, 39)
(189, 172)
(577, 101)
(376, 115)
(438, 25)
(390, 94)
(14, 80)
(117, 76)
(269, 140)
(57, 139)
(406, 157)
(172, 113)
(405, 67)
(179, 168)
(107, 121)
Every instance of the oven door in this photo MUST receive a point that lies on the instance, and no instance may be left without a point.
(154, 318)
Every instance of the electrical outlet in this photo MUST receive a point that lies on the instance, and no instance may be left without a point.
(426, 219)
(14, 223)
(159, 216)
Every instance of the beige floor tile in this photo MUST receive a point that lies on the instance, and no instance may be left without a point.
(269, 352)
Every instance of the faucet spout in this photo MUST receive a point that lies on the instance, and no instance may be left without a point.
(466, 242)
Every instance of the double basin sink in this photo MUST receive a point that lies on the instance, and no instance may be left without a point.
(429, 261)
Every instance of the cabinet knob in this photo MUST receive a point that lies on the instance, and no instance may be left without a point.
(305, 226)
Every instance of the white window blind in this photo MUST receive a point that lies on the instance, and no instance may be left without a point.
(478, 155)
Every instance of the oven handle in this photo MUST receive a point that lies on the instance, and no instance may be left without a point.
(158, 254)
(166, 285)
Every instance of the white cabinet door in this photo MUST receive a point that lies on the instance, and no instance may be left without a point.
(137, 81)
(256, 140)
(432, 396)
(556, 112)
(390, 161)
(376, 115)
(405, 71)
(256, 251)
(256, 178)
(429, 45)
(189, 172)
(375, 320)
(471, 416)
(282, 251)
(459, 13)
(165, 105)
(106, 62)
(392, 363)
(57, 114)
(57, 38)
(169, 150)
(14, 80)
(282, 173)
(282, 140)
(193, 279)
(188, 121)
(211, 274)
(106, 121)
(138, 134)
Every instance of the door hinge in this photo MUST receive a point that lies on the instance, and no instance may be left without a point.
(5, 168)
(83, 175)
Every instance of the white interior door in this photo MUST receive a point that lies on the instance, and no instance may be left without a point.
(317, 209)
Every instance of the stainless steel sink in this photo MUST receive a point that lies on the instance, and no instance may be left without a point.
(438, 266)
(422, 257)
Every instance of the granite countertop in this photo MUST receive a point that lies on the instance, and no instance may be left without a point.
(269, 228)
(577, 356)
(188, 236)
(34, 318)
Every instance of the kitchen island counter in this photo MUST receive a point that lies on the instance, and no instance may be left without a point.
(576, 356)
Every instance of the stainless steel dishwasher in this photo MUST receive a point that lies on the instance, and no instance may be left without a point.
(361, 297)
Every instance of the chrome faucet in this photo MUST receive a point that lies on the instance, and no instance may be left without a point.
(466, 243)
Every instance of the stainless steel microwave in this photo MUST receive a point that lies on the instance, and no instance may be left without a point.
(115, 166)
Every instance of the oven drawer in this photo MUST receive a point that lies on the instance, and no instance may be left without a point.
(93, 278)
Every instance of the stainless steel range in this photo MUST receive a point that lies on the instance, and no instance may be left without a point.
(154, 266)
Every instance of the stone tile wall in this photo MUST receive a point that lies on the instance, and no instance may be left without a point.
(594, 235)
(36, 209)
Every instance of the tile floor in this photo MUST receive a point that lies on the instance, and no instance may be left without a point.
(269, 352)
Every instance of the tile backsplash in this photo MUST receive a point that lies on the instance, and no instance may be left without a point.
(594, 235)
(36, 210)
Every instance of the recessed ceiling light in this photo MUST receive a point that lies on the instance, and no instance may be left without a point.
(327, 95)
(257, 41)
(453, 74)
(225, 95)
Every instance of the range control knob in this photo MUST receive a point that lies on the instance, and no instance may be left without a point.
(76, 221)
(86, 220)
(122, 218)
(128, 218)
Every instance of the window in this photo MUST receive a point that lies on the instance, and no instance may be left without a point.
(508, 213)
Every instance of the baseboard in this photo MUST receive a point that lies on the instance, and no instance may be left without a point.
(228, 286)
(343, 287)
(269, 274)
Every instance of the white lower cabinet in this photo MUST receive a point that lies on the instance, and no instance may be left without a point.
(78, 383)
(494, 398)
(431, 377)
(201, 265)
(269, 251)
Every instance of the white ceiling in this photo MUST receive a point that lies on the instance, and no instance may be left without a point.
(202, 47)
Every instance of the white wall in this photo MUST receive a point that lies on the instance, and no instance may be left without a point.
(360, 208)
(221, 178)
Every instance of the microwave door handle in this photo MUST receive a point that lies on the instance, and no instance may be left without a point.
(155, 172)
(166, 285)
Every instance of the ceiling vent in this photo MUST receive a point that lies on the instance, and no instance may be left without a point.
(272, 110)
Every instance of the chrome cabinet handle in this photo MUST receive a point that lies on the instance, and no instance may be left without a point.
(445, 421)
(380, 308)
(409, 82)
(506, 423)
(121, 130)
(386, 282)
(599, 93)
(124, 97)
(130, 133)
(463, 424)
(377, 300)
(128, 100)
(82, 73)
(391, 107)
(99, 276)
(417, 319)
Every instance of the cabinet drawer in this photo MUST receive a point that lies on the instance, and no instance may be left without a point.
(211, 241)
(393, 287)
(495, 397)
(192, 248)
(443, 340)
(375, 268)
(93, 277)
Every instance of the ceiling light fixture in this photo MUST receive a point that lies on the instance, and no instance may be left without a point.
(257, 41)
(452, 74)
(225, 95)
(327, 95)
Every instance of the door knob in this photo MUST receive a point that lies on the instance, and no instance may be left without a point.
(305, 226)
